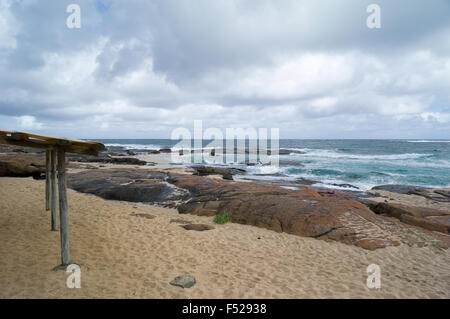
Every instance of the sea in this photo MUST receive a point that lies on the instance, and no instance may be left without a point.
(362, 164)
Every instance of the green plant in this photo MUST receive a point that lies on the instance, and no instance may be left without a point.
(222, 218)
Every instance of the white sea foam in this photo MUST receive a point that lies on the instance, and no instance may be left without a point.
(136, 146)
(428, 141)
(338, 155)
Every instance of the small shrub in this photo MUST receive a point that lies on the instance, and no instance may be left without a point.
(222, 218)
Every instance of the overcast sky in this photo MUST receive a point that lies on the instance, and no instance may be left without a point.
(313, 69)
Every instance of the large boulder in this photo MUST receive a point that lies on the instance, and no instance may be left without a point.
(428, 218)
(20, 164)
(127, 185)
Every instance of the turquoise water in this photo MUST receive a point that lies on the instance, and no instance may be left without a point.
(362, 163)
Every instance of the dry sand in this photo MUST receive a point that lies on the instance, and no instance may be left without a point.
(125, 256)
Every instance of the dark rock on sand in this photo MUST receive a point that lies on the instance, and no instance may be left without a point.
(184, 281)
(197, 227)
(127, 185)
(18, 164)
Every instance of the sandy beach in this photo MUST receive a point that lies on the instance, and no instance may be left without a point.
(126, 256)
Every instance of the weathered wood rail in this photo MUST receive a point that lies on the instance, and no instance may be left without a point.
(56, 177)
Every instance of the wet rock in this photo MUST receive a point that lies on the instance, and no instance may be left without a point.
(345, 186)
(305, 181)
(184, 281)
(399, 189)
(287, 152)
(165, 150)
(227, 172)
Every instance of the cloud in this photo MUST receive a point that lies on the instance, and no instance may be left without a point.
(27, 122)
(311, 68)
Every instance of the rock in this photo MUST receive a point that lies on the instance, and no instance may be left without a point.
(184, 281)
(329, 215)
(440, 195)
(399, 189)
(345, 185)
(305, 181)
(104, 158)
(165, 150)
(303, 212)
(20, 164)
(131, 185)
(197, 227)
(130, 152)
(227, 173)
(287, 152)
(428, 218)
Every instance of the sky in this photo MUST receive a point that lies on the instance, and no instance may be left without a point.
(140, 68)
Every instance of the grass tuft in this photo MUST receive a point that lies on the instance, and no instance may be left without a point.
(222, 218)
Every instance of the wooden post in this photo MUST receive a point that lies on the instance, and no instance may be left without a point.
(47, 179)
(63, 214)
(53, 190)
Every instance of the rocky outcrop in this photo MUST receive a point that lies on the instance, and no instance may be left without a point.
(105, 158)
(439, 195)
(20, 164)
(302, 212)
(428, 218)
(225, 172)
(299, 211)
(127, 185)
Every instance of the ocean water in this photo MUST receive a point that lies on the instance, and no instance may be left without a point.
(361, 163)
